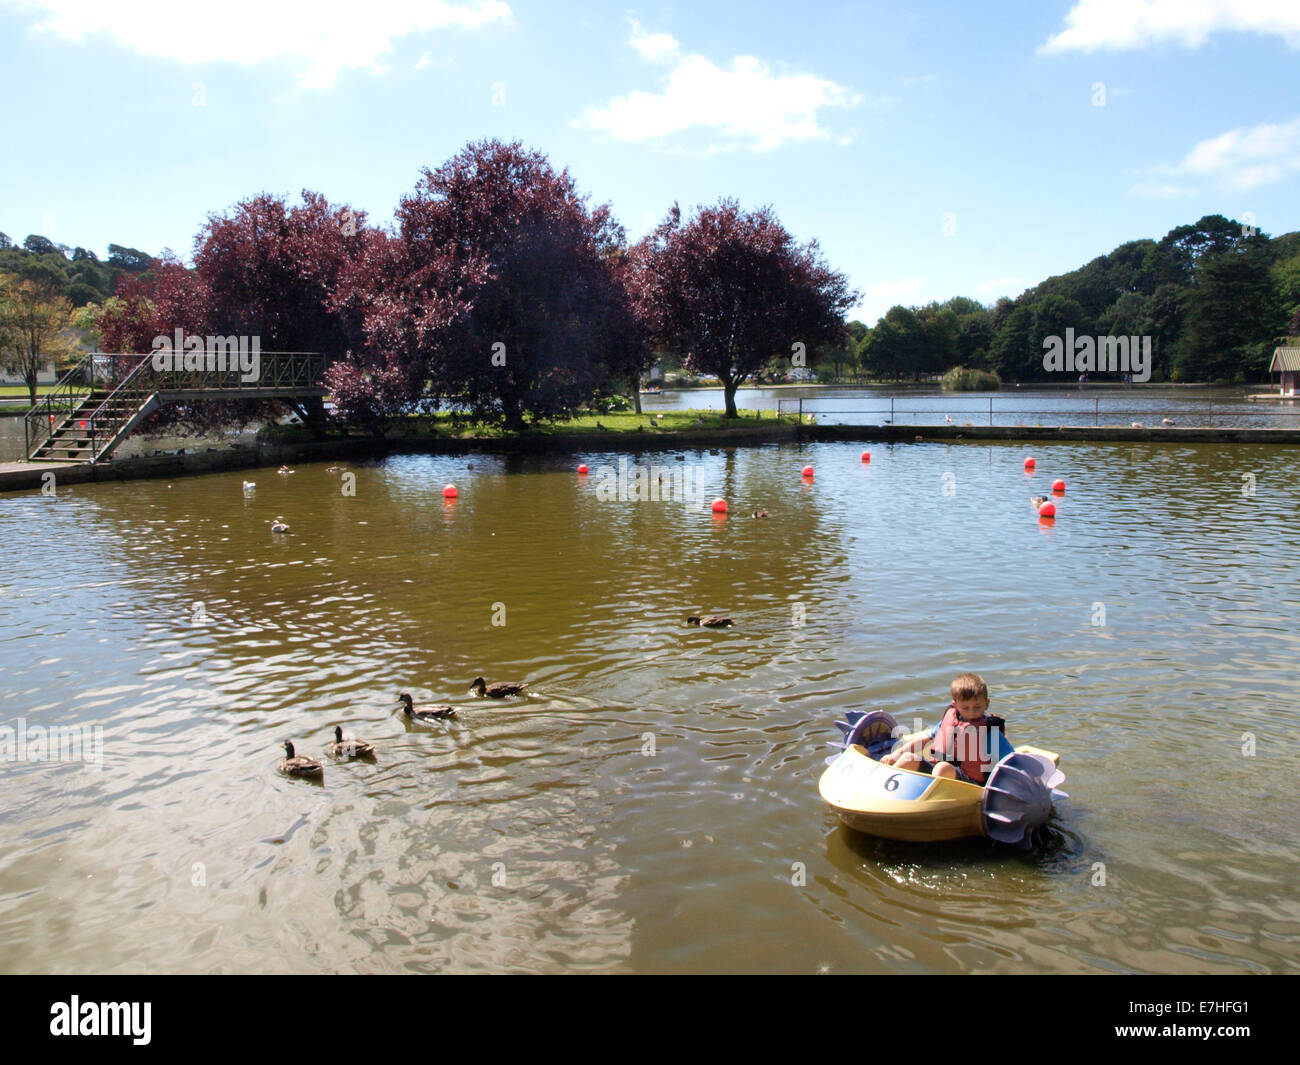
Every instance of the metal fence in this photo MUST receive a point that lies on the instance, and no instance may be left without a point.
(891, 412)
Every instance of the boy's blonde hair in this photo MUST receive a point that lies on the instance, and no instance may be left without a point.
(969, 686)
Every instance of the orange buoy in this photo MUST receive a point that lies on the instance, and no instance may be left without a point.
(866, 456)
(1030, 463)
(807, 471)
(583, 468)
(1058, 485)
(1047, 510)
(719, 506)
(450, 492)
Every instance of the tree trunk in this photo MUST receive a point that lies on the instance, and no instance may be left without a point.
(315, 416)
(636, 392)
(729, 391)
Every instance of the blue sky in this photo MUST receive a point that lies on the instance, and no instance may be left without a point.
(934, 149)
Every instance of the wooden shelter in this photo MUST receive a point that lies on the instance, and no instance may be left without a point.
(1286, 361)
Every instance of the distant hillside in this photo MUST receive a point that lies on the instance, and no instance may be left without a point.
(1215, 297)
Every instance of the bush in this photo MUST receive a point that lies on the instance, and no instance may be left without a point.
(960, 379)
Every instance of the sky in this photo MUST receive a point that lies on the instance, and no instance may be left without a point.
(932, 149)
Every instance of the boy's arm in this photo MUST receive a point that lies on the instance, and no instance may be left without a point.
(916, 745)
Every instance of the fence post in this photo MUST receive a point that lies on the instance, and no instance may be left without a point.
(1210, 414)
(990, 411)
(1096, 410)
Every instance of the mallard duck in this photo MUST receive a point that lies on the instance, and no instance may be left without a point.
(284, 471)
(352, 748)
(1137, 425)
(1166, 421)
(1037, 501)
(424, 713)
(278, 526)
(499, 690)
(298, 766)
(759, 514)
(250, 486)
(709, 621)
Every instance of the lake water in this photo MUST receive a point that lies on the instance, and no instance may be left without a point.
(653, 807)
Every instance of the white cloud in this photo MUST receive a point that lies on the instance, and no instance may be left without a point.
(746, 102)
(319, 39)
(1127, 24)
(656, 47)
(1244, 158)
(1236, 161)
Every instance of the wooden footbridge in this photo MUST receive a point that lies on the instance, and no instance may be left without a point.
(97, 404)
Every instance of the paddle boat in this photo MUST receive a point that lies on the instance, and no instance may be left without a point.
(881, 800)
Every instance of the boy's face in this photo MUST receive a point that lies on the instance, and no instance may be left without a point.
(970, 709)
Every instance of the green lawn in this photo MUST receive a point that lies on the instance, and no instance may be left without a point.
(7, 391)
(624, 422)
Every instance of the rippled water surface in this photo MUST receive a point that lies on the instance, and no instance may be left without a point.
(653, 807)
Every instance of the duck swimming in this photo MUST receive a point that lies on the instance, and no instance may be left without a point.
(353, 748)
(250, 486)
(298, 766)
(278, 526)
(284, 471)
(424, 713)
(1037, 501)
(498, 690)
(709, 621)
(759, 514)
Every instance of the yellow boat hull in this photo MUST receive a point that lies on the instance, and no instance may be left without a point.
(902, 804)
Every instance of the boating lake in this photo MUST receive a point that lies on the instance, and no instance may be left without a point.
(653, 807)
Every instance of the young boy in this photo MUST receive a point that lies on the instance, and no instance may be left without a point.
(965, 745)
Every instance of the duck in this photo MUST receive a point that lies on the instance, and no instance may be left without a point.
(759, 514)
(284, 471)
(1166, 421)
(331, 469)
(499, 690)
(948, 418)
(250, 486)
(424, 713)
(298, 766)
(278, 525)
(1138, 425)
(1037, 501)
(352, 748)
(709, 621)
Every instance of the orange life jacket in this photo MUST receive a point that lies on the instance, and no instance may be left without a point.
(967, 743)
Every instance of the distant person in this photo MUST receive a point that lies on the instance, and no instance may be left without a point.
(965, 745)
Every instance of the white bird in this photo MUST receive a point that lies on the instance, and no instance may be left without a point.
(1166, 421)
(284, 471)
(1138, 425)
(278, 526)
(948, 418)
(250, 486)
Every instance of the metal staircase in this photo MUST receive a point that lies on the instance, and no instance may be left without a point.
(100, 401)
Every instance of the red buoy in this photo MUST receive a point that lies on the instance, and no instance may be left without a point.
(719, 506)
(1047, 510)
(1030, 463)
(450, 492)
(583, 468)
(807, 471)
(1058, 485)
(866, 456)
